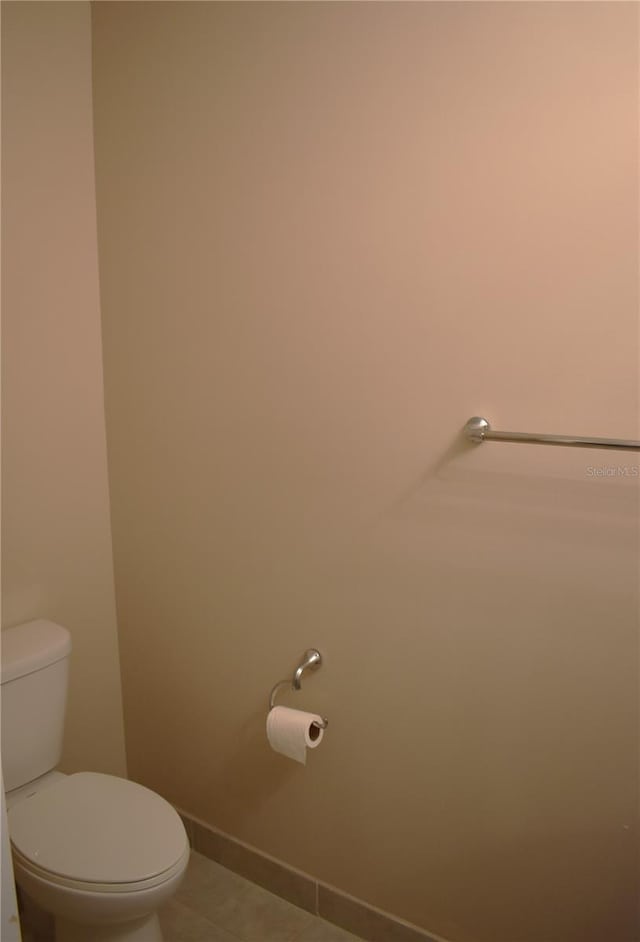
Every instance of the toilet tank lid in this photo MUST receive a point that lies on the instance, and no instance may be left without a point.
(31, 646)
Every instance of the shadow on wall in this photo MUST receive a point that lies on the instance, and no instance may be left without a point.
(246, 784)
(459, 446)
(570, 910)
(526, 479)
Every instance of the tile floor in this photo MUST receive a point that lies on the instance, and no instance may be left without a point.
(214, 904)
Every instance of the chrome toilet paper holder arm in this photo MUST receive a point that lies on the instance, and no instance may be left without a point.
(312, 661)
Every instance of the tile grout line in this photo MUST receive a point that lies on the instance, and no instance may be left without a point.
(216, 925)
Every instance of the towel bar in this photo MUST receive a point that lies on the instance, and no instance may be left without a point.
(478, 430)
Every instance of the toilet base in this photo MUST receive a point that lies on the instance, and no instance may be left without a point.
(146, 929)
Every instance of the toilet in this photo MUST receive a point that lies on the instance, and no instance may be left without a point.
(99, 852)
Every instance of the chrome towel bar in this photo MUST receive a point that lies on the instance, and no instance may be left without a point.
(478, 430)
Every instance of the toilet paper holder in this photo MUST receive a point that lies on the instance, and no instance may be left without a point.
(312, 661)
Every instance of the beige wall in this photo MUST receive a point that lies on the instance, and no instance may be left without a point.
(329, 233)
(56, 540)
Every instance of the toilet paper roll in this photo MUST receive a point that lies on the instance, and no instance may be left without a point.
(292, 732)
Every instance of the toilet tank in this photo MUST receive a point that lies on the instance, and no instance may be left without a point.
(35, 659)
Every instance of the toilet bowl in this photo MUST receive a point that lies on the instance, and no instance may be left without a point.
(99, 852)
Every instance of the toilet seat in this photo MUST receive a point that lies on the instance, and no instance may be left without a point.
(100, 833)
(31, 868)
